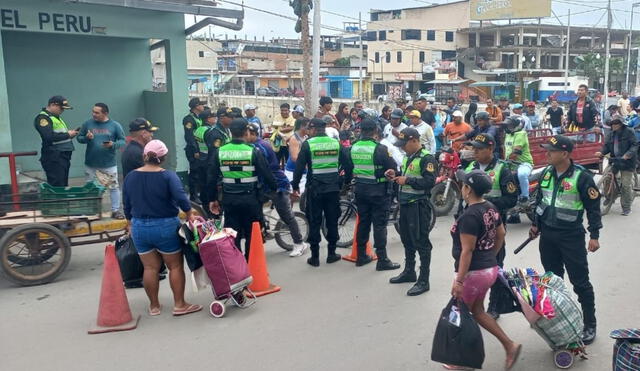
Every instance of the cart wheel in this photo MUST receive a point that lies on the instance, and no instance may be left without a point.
(34, 254)
(239, 299)
(217, 309)
(563, 359)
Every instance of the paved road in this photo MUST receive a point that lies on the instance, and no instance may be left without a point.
(335, 317)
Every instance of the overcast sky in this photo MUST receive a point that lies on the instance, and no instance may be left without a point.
(258, 23)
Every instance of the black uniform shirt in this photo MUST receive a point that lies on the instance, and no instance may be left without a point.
(381, 158)
(44, 126)
(214, 175)
(216, 138)
(304, 162)
(429, 167)
(190, 125)
(589, 195)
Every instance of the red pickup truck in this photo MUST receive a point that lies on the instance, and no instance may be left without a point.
(583, 150)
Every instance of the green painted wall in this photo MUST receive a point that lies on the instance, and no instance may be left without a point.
(84, 69)
(108, 62)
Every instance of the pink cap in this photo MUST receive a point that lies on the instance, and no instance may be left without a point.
(156, 146)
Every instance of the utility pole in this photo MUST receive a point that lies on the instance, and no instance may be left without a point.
(360, 92)
(566, 63)
(608, 56)
(306, 57)
(315, 70)
(626, 85)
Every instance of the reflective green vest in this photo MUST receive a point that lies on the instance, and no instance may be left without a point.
(59, 126)
(197, 119)
(199, 135)
(494, 174)
(364, 168)
(324, 158)
(563, 203)
(407, 193)
(238, 170)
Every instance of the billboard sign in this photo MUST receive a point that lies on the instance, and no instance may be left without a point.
(509, 9)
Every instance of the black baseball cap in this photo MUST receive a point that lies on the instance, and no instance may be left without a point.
(60, 101)
(422, 99)
(206, 114)
(194, 102)
(225, 112)
(483, 141)
(141, 123)
(238, 124)
(478, 180)
(618, 119)
(368, 125)
(397, 113)
(406, 135)
(558, 143)
(482, 115)
(317, 123)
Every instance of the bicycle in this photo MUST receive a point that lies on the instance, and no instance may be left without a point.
(610, 186)
(280, 233)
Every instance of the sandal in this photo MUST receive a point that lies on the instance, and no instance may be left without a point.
(454, 367)
(192, 308)
(155, 311)
(515, 358)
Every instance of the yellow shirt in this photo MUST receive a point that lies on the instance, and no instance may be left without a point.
(280, 122)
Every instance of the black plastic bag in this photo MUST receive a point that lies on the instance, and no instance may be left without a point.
(505, 301)
(458, 340)
(131, 266)
(189, 249)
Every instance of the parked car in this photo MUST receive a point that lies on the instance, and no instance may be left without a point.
(385, 98)
(430, 95)
(267, 92)
(613, 93)
(298, 93)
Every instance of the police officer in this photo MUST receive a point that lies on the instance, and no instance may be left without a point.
(204, 140)
(57, 145)
(416, 178)
(370, 160)
(321, 156)
(503, 194)
(566, 191)
(191, 123)
(237, 166)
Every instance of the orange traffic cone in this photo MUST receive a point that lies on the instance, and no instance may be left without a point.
(114, 313)
(258, 265)
(354, 246)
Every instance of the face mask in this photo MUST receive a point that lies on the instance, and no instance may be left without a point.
(467, 154)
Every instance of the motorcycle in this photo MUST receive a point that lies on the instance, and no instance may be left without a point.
(446, 191)
(528, 208)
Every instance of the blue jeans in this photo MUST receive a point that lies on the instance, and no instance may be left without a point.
(108, 177)
(160, 234)
(524, 170)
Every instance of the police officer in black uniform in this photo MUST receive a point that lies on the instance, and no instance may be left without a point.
(57, 141)
(322, 157)
(237, 166)
(416, 178)
(503, 195)
(565, 192)
(191, 123)
(369, 161)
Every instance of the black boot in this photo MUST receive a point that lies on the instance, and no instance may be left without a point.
(588, 334)
(363, 259)
(407, 275)
(384, 263)
(314, 260)
(332, 258)
(422, 285)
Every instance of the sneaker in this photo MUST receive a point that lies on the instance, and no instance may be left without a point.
(523, 200)
(299, 249)
(117, 215)
(626, 212)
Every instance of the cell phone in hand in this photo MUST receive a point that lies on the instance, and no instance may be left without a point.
(106, 142)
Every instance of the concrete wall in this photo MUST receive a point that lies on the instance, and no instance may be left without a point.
(29, 85)
(109, 62)
(447, 17)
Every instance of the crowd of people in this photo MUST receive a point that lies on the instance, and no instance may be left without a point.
(237, 162)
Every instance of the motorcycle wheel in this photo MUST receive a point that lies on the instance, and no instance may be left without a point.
(442, 205)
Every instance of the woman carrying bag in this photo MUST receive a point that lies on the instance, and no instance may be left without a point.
(477, 236)
(152, 196)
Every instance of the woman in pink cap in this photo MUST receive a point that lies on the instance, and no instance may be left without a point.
(152, 196)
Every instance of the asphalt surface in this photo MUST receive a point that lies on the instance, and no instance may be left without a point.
(335, 317)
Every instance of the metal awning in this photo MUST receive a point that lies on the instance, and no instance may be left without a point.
(447, 82)
(493, 83)
(198, 7)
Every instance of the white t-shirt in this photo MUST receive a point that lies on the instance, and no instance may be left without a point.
(427, 139)
(386, 132)
(396, 152)
(332, 132)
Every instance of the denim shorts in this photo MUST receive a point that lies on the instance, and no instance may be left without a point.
(160, 234)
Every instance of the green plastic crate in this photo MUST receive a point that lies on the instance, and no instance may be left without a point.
(67, 205)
